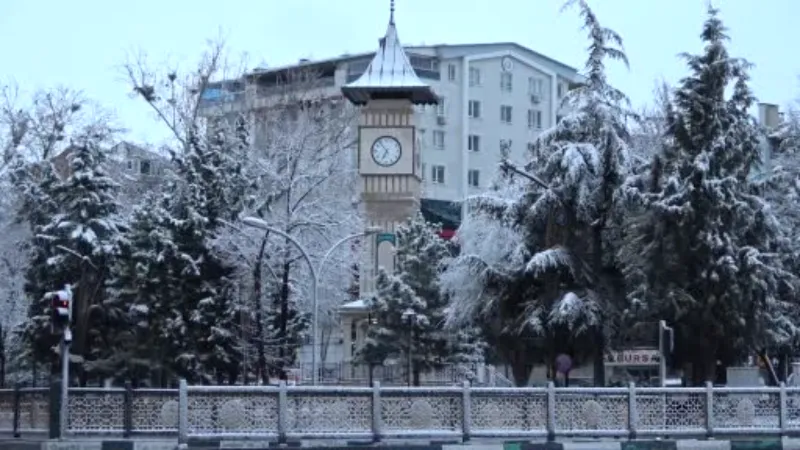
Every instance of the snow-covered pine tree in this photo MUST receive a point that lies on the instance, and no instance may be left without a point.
(563, 286)
(723, 287)
(408, 306)
(207, 322)
(143, 283)
(37, 183)
(585, 161)
(76, 245)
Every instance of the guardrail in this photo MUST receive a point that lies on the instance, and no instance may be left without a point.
(285, 413)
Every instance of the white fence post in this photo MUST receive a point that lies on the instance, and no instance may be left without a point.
(551, 411)
(709, 409)
(782, 411)
(377, 421)
(466, 411)
(632, 413)
(283, 411)
(183, 412)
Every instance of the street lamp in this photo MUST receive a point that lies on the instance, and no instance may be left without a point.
(255, 222)
(409, 316)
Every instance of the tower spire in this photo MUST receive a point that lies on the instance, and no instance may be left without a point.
(390, 74)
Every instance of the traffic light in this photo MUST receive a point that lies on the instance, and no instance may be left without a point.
(60, 308)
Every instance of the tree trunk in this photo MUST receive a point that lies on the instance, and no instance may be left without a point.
(599, 362)
(520, 368)
(417, 375)
(600, 341)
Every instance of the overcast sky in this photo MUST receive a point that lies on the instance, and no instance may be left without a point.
(81, 43)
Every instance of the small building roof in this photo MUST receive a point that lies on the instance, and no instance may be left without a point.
(389, 75)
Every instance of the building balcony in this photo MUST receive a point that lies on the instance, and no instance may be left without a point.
(218, 101)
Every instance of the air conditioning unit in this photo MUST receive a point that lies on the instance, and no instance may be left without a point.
(440, 120)
(535, 99)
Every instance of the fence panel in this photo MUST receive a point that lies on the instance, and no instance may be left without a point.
(154, 411)
(327, 412)
(421, 412)
(669, 411)
(34, 410)
(233, 411)
(96, 411)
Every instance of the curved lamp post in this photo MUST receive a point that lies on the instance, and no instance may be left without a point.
(255, 222)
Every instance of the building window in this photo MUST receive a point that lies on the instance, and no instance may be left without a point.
(560, 90)
(438, 139)
(531, 147)
(440, 107)
(506, 82)
(474, 76)
(505, 146)
(423, 171)
(473, 178)
(474, 109)
(130, 165)
(144, 167)
(474, 143)
(534, 118)
(535, 86)
(451, 72)
(505, 114)
(437, 174)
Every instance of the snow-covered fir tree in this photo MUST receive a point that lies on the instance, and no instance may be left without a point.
(143, 286)
(563, 285)
(409, 307)
(179, 292)
(706, 253)
(75, 246)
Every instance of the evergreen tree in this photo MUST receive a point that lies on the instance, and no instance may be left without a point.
(75, 246)
(562, 286)
(408, 305)
(37, 183)
(143, 285)
(722, 286)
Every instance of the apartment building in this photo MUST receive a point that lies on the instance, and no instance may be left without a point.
(494, 96)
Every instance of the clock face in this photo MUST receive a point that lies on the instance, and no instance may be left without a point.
(386, 151)
(508, 64)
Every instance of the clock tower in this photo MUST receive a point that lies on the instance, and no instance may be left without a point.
(388, 154)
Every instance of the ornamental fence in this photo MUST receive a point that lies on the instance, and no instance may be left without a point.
(285, 413)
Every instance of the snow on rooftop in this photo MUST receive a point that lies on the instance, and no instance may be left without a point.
(389, 71)
(358, 304)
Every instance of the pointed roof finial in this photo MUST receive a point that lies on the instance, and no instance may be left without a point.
(390, 74)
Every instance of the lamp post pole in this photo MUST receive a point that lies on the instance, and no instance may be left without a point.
(315, 270)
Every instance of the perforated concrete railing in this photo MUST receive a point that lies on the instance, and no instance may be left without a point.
(375, 413)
